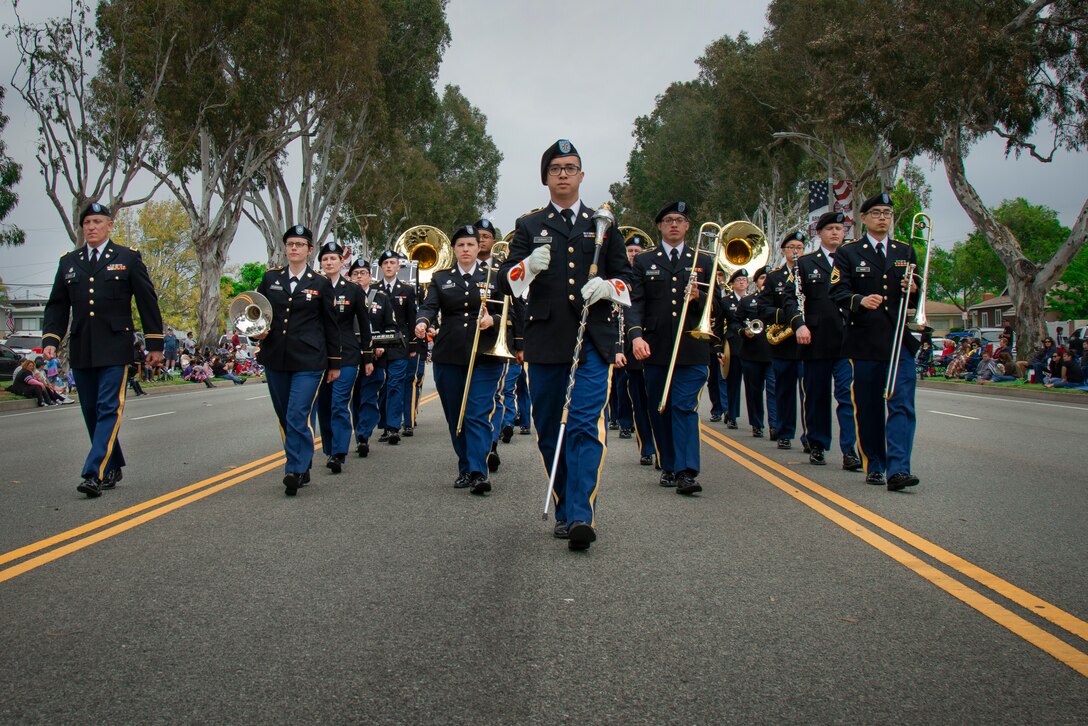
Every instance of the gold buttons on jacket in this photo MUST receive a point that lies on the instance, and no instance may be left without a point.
(570, 265)
(91, 279)
(92, 302)
(92, 313)
(571, 281)
(570, 297)
(91, 291)
(570, 249)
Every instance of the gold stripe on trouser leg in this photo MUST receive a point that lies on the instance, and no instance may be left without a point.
(857, 427)
(116, 425)
(310, 413)
(602, 433)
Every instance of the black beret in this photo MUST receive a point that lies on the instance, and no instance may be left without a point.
(94, 208)
(487, 224)
(299, 231)
(331, 248)
(636, 240)
(795, 235)
(559, 148)
(883, 199)
(359, 264)
(759, 273)
(466, 230)
(829, 218)
(679, 207)
(739, 273)
(387, 255)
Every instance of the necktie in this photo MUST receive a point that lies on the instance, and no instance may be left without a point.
(467, 277)
(94, 257)
(292, 283)
(568, 214)
(675, 256)
(880, 250)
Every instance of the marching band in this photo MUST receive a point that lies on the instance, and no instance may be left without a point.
(534, 327)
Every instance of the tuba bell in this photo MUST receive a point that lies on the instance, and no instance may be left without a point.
(250, 314)
(500, 251)
(742, 244)
(428, 247)
(629, 232)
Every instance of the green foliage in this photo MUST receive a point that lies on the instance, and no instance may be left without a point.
(1070, 299)
(10, 173)
(247, 278)
(910, 196)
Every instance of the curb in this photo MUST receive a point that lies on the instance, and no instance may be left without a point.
(29, 403)
(1066, 397)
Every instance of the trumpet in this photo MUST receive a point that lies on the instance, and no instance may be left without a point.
(755, 327)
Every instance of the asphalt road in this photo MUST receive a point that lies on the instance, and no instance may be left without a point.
(785, 593)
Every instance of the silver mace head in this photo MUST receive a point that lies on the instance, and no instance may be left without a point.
(604, 219)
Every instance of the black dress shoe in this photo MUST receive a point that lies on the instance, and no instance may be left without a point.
(686, 484)
(384, 438)
(506, 434)
(462, 481)
(874, 477)
(335, 464)
(493, 460)
(408, 431)
(668, 479)
(757, 432)
(112, 478)
(646, 460)
(625, 433)
(784, 444)
(561, 531)
(524, 431)
(613, 425)
(816, 456)
(715, 417)
(480, 484)
(90, 487)
(806, 447)
(772, 433)
(363, 448)
(291, 483)
(581, 536)
(305, 478)
(394, 437)
(850, 462)
(902, 480)
(731, 423)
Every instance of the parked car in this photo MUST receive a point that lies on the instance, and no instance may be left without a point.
(9, 359)
(26, 345)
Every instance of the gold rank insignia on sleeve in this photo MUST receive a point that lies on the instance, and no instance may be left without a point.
(835, 275)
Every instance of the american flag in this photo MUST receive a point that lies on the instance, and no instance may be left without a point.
(817, 203)
(843, 191)
(11, 321)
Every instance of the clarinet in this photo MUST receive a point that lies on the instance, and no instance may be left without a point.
(800, 293)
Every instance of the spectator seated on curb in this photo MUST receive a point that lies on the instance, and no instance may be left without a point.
(197, 373)
(1004, 365)
(986, 370)
(924, 359)
(1072, 376)
(958, 365)
(220, 371)
(1053, 370)
(1039, 362)
(52, 393)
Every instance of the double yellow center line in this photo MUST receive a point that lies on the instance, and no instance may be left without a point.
(777, 475)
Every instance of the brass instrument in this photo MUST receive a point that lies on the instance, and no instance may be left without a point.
(778, 333)
(629, 232)
(250, 314)
(745, 246)
(428, 247)
(921, 228)
(755, 327)
(499, 252)
(475, 345)
(500, 349)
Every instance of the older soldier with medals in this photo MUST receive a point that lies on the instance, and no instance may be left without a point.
(335, 412)
(819, 326)
(868, 282)
(662, 281)
(301, 345)
(370, 379)
(468, 329)
(553, 253)
(94, 288)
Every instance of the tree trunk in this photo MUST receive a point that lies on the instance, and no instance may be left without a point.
(213, 260)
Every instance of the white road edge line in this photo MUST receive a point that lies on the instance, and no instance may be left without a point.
(254, 398)
(1002, 398)
(153, 415)
(957, 415)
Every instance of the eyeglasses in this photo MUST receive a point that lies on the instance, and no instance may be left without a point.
(568, 169)
(673, 220)
(297, 244)
(880, 213)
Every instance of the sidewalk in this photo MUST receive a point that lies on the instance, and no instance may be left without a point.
(1029, 394)
(29, 403)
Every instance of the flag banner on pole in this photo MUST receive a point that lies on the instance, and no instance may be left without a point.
(818, 199)
(821, 201)
(11, 321)
(842, 191)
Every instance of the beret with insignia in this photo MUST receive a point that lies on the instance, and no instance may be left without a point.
(879, 200)
(829, 218)
(679, 207)
(739, 273)
(562, 147)
(386, 255)
(466, 230)
(95, 208)
(359, 264)
(331, 248)
(635, 240)
(299, 232)
(797, 235)
(759, 273)
(488, 225)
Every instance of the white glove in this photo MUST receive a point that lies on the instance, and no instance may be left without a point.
(596, 289)
(539, 260)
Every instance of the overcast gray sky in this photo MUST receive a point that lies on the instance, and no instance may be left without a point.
(536, 79)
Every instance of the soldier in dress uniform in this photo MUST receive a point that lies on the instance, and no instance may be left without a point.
(301, 345)
(456, 295)
(756, 356)
(94, 288)
(335, 409)
(868, 282)
(401, 297)
(731, 314)
(634, 409)
(661, 283)
(785, 357)
(370, 380)
(819, 329)
(416, 370)
(551, 254)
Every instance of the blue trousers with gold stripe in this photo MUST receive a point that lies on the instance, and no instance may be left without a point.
(474, 442)
(885, 443)
(787, 374)
(413, 382)
(843, 376)
(640, 411)
(676, 429)
(505, 404)
(334, 412)
(391, 398)
(366, 403)
(817, 380)
(102, 400)
(293, 395)
(578, 474)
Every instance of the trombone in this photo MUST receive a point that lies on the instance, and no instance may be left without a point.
(499, 349)
(921, 229)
